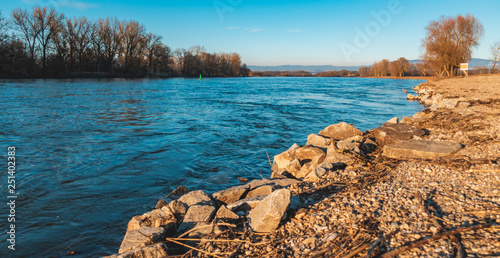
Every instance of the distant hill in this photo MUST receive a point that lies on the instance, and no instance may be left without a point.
(322, 68)
(309, 68)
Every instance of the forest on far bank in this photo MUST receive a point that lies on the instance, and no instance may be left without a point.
(43, 43)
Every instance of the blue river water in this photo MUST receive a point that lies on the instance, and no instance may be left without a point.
(90, 154)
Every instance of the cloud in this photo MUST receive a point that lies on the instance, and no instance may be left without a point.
(295, 31)
(245, 28)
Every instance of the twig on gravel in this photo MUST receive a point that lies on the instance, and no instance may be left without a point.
(357, 251)
(240, 245)
(194, 248)
(423, 242)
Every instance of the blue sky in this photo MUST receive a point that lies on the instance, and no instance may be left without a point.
(283, 32)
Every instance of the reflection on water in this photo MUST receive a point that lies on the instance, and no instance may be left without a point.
(93, 153)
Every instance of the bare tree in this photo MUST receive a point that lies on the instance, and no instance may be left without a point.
(399, 67)
(364, 71)
(133, 43)
(25, 23)
(422, 68)
(3, 28)
(495, 55)
(450, 41)
(381, 68)
(48, 23)
(108, 31)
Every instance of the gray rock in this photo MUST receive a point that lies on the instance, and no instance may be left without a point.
(179, 190)
(317, 174)
(411, 97)
(179, 208)
(141, 237)
(407, 120)
(150, 251)
(232, 194)
(245, 204)
(333, 157)
(195, 214)
(160, 204)
(294, 146)
(281, 182)
(263, 190)
(340, 131)
(266, 216)
(419, 149)
(318, 141)
(463, 104)
(196, 197)
(155, 218)
(348, 146)
(306, 154)
(395, 133)
(393, 120)
(225, 213)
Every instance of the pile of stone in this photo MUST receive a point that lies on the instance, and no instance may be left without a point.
(264, 204)
(261, 203)
(435, 101)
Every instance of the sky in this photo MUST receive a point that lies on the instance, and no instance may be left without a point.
(288, 32)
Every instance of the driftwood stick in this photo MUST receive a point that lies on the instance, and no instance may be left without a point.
(373, 245)
(206, 226)
(423, 242)
(194, 248)
(270, 164)
(357, 251)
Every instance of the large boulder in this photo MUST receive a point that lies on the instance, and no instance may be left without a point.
(293, 161)
(349, 145)
(333, 156)
(245, 204)
(419, 149)
(179, 208)
(150, 251)
(267, 216)
(283, 160)
(142, 237)
(395, 133)
(196, 197)
(196, 214)
(263, 190)
(225, 213)
(155, 218)
(281, 182)
(232, 194)
(318, 141)
(340, 131)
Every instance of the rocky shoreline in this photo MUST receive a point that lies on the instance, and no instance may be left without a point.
(427, 185)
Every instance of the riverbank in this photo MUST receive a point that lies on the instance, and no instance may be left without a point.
(356, 196)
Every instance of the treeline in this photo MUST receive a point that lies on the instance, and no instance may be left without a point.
(45, 43)
(300, 73)
(397, 68)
